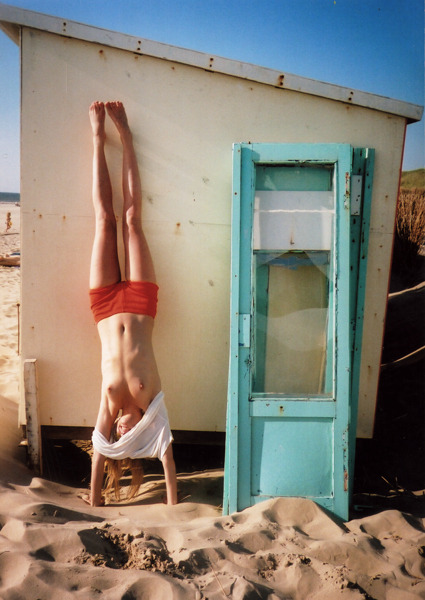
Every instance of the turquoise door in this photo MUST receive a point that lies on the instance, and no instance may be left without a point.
(292, 315)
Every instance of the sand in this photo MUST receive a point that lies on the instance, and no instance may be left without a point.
(54, 546)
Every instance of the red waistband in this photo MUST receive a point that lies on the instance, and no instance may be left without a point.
(137, 297)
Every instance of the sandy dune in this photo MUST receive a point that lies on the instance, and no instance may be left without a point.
(285, 548)
(54, 546)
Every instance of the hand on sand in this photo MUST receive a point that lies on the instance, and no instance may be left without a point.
(87, 499)
(178, 499)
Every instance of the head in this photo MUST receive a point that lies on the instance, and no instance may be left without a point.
(116, 468)
(126, 422)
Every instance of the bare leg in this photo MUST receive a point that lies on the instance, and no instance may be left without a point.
(138, 259)
(104, 268)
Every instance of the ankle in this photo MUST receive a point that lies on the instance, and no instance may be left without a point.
(126, 135)
(99, 138)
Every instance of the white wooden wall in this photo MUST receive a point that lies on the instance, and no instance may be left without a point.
(184, 122)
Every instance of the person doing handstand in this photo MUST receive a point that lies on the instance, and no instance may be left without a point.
(124, 310)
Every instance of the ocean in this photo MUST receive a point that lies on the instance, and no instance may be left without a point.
(10, 197)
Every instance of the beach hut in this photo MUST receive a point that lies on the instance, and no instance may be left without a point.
(241, 167)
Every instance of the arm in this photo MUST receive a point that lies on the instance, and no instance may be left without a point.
(97, 469)
(105, 419)
(170, 475)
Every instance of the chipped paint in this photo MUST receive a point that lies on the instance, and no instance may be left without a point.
(347, 190)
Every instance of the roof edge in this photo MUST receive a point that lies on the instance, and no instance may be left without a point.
(13, 18)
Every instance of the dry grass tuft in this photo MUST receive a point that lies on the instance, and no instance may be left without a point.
(410, 224)
(409, 240)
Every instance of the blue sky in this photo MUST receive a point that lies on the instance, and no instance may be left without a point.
(372, 45)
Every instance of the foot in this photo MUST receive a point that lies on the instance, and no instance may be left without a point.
(97, 119)
(118, 115)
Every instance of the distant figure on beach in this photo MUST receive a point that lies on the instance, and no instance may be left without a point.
(8, 221)
(132, 422)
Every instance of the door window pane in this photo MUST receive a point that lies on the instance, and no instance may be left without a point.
(292, 323)
(296, 220)
(292, 269)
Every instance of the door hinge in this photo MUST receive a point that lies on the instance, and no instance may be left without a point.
(245, 331)
(356, 194)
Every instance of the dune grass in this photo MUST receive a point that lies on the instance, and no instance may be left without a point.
(409, 239)
(410, 224)
(413, 179)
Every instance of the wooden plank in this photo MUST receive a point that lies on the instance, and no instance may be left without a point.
(232, 414)
(32, 414)
(365, 156)
(12, 31)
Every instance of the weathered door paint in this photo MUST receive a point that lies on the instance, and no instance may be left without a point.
(292, 323)
(361, 206)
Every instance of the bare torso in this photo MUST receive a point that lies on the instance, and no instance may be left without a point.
(129, 371)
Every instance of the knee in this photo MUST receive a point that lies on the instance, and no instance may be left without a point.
(133, 222)
(106, 222)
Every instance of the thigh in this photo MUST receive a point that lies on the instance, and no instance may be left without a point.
(104, 266)
(138, 264)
